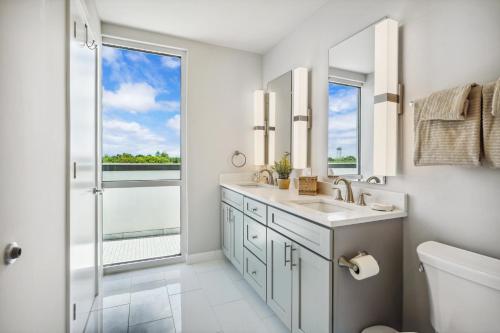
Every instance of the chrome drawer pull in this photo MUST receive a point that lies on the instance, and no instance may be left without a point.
(255, 237)
(286, 260)
(254, 272)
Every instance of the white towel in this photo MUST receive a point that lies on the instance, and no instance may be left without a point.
(449, 104)
(495, 108)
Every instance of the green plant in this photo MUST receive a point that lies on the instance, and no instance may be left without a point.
(283, 167)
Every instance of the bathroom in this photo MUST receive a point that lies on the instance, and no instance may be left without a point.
(226, 59)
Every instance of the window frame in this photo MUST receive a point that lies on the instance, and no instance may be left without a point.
(159, 49)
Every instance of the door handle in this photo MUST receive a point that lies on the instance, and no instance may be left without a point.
(97, 191)
(12, 253)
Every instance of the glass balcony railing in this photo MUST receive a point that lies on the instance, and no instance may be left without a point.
(140, 223)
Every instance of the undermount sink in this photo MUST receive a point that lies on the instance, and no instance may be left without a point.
(250, 185)
(322, 206)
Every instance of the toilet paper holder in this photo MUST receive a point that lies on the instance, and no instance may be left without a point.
(344, 262)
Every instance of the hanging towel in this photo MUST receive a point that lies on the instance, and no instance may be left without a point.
(450, 104)
(491, 126)
(449, 142)
(495, 109)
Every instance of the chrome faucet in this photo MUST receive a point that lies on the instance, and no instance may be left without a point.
(373, 180)
(270, 178)
(348, 196)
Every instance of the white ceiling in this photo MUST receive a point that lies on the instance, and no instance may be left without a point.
(249, 25)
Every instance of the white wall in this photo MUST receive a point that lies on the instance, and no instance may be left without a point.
(33, 166)
(443, 44)
(220, 85)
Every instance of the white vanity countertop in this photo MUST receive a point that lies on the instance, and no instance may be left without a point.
(288, 200)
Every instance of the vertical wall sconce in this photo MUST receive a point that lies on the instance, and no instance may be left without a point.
(385, 144)
(259, 128)
(300, 118)
(271, 129)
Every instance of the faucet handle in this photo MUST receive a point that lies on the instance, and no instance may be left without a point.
(339, 193)
(361, 198)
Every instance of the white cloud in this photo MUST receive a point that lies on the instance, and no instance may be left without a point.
(343, 122)
(343, 101)
(137, 56)
(130, 137)
(110, 54)
(170, 62)
(136, 97)
(174, 123)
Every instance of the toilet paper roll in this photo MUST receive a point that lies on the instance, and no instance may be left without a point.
(367, 266)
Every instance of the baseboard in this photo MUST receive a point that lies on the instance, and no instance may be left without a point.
(204, 256)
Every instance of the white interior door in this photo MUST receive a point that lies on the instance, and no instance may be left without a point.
(82, 204)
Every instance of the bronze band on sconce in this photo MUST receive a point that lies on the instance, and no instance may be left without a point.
(300, 118)
(272, 128)
(259, 128)
(386, 98)
(393, 98)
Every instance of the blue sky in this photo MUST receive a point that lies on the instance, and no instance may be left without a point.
(141, 102)
(342, 119)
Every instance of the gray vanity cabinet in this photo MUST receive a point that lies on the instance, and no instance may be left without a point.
(298, 284)
(311, 299)
(279, 276)
(232, 235)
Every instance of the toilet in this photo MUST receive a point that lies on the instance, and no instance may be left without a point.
(464, 290)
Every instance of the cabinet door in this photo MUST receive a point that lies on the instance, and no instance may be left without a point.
(279, 276)
(226, 230)
(237, 239)
(312, 292)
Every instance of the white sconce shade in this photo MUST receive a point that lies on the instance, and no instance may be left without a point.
(300, 118)
(385, 122)
(259, 129)
(271, 131)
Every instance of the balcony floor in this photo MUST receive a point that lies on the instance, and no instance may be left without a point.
(125, 250)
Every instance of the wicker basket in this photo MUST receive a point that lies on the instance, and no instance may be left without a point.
(308, 185)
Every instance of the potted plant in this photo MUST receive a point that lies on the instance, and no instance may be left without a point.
(283, 168)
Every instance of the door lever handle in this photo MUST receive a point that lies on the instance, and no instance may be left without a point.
(96, 190)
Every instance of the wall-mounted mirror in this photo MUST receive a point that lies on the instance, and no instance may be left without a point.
(279, 98)
(282, 120)
(361, 73)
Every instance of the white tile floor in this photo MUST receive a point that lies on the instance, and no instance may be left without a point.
(206, 297)
(124, 250)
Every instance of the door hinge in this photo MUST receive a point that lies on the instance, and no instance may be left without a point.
(74, 311)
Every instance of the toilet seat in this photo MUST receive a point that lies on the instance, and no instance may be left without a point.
(381, 329)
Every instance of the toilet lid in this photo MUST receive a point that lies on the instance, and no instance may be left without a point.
(381, 329)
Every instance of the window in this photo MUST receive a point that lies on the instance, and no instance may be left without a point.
(141, 115)
(343, 129)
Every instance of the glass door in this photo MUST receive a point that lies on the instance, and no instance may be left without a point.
(142, 164)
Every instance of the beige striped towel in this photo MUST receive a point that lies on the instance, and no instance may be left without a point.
(449, 104)
(491, 127)
(445, 142)
(495, 110)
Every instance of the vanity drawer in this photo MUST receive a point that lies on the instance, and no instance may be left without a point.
(306, 233)
(232, 198)
(255, 274)
(255, 238)
(256, 210)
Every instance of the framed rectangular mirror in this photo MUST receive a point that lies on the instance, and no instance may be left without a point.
(287, 118)
(361, 130)
(279, 94)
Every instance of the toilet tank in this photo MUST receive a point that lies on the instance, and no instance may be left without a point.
(464, 289)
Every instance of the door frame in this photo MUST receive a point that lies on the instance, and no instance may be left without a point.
(126, 43)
